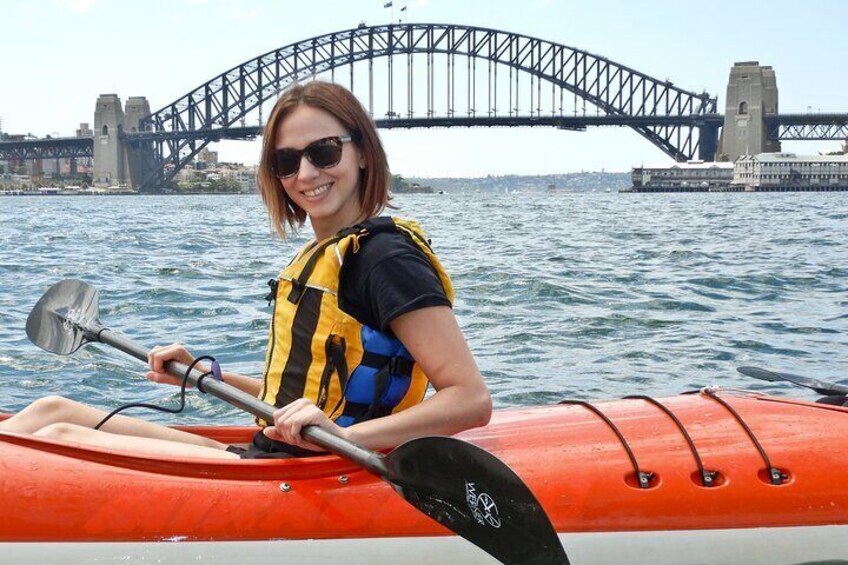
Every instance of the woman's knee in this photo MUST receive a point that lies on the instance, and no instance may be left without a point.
(62, 431)
(52, 405)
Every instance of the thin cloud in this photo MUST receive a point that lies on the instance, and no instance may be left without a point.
(248, 15)
(237, 9)
(77, 6)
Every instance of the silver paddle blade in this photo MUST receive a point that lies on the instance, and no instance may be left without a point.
(62, 319)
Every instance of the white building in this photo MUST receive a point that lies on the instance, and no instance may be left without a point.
(693, 176)
(791, 172)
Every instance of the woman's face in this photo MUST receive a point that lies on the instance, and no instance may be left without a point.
(329, 196)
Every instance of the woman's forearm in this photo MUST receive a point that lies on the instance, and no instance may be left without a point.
(244, 383)
(449, 411)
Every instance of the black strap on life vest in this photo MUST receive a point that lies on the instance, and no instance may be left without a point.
(368, 227)
(272, 293)
(386, 367)
(334, 349)
(299, 284)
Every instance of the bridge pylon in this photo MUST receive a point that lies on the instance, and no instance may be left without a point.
(138, 156)
(108, 146)
(116, 161)
(751, 97)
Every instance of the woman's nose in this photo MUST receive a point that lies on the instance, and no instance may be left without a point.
(307, 170)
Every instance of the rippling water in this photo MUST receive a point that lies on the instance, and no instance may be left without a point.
(559, 295)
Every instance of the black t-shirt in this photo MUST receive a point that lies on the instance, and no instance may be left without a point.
(387, 277)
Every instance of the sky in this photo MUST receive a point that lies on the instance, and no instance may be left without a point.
(57, 56)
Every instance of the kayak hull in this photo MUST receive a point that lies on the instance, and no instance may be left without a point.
(96, 502)
(758, 546)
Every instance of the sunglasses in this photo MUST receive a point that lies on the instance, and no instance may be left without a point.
(323, 153)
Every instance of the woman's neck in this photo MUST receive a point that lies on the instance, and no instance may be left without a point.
(325, 229)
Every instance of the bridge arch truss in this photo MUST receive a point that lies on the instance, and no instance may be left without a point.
(433, 75)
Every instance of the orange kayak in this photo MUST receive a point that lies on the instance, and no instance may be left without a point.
(713, 477)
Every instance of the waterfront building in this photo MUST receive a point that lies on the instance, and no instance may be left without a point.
(693, 176)
(244, 175)
(764, 172)
(186, 175)
(210, 158)
(84, 130)
(791, 172)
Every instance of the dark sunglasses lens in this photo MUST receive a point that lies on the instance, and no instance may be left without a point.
(286, 162)
(324, 155)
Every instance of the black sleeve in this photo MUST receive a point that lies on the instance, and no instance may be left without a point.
(389, 276)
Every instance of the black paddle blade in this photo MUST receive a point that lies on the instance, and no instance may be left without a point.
(821, 387)
(59, 319)
(473, 493)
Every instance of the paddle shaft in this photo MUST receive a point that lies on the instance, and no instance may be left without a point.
(371, 460)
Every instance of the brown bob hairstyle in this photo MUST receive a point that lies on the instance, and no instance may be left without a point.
(340, 103)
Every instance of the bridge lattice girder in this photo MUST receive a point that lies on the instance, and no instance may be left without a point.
(807, 126)
(615, 89)
(55, 148)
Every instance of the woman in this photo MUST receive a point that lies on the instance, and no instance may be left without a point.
(362, 318)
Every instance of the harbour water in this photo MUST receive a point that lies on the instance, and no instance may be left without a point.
(559, 295)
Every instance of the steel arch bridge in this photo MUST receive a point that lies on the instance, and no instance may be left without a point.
(507, 79)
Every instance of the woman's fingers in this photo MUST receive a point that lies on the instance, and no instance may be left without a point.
(164, 378)
(290, 420)
(160, 355)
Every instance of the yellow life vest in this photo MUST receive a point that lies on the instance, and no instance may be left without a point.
(319, 352)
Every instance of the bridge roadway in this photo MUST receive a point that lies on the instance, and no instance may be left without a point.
(784, 127)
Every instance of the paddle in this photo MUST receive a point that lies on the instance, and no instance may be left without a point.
(821, 387)
(463, 487)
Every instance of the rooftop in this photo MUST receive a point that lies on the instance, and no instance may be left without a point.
(782, 157)
(691, 165)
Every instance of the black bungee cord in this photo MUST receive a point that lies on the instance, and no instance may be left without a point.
(214, 372)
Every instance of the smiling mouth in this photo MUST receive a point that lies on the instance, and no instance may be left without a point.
(317, 191)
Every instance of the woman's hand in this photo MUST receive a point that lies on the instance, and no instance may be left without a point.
(160, 355)
(290, 420)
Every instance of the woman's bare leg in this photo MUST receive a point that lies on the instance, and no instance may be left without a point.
(73, 433)
(59, 410)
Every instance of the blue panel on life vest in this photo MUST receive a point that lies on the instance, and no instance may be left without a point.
(344, 421)
(398, 386)
(374, 341)
(360, 387)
